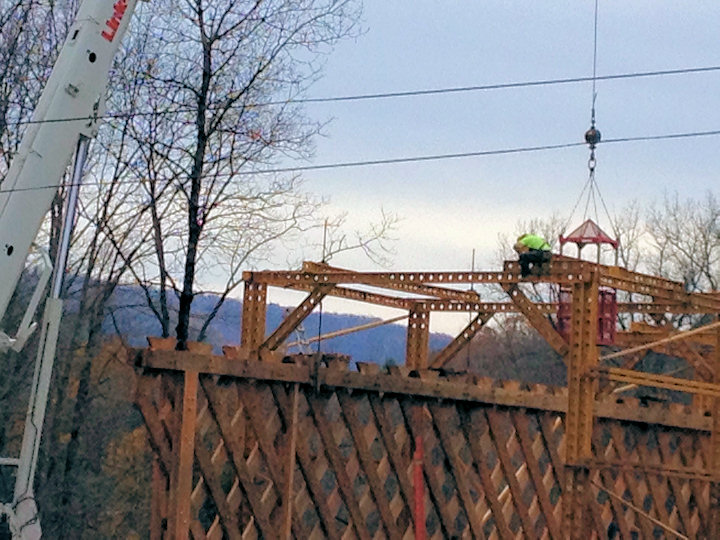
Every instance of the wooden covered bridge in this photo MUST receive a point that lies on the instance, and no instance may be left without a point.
(259, 444)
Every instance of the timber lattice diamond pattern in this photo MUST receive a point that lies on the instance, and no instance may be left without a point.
(490, 470)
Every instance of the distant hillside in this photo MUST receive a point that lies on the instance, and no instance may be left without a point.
(134, 321)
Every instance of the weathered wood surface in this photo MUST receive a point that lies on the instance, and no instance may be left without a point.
(493, 454)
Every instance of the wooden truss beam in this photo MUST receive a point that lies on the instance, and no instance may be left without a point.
(418, 337)
(537, 319)
(687, 350)
(658, 288)
(549, 308)
(253, 316)
(675, 337)
(294, 318)
(640, 333)
(452, 349)
(656, 380)
(362, 296)
(582, 356)
(423, 293)
(410, 285)
(662, 307)
(442, 388)
(673, 345)
(565, 271)
(473, 304)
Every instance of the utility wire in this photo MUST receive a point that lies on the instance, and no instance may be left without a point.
(594, 75)
(503, 86)
(407, 159)
(338, 165)
(388, 95)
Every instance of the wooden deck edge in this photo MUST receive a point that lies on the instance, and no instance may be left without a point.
(508, 393)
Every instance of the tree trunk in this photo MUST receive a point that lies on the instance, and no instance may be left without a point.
(196, 178)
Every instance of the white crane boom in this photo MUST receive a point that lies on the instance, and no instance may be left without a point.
(65, 119)
(67, 110)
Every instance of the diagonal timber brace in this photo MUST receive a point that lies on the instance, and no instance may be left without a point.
(536, 318)
(298, 315)
(461, 341)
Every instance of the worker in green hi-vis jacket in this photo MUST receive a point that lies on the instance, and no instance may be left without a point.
(534, 252)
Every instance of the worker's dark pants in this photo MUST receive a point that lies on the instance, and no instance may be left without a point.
(531, 262)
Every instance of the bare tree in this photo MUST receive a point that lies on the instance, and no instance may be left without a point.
(374, 241)
(685, 238)
(629, 230)
(26, 62)
(15, 98)
(219, 80)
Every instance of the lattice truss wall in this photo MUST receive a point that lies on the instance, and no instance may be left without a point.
(493, 455)
(254, 444)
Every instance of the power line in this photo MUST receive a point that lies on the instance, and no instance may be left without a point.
(406, 159)
(503, 86)
(400, 94)
(685, 135)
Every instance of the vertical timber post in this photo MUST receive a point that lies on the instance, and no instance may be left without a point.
(582, 356)
(418, 335)
(418, 473)
(253, 314)
(184, 453)
(419, 489)
(158, 503)
(714, 528)
(292, 445)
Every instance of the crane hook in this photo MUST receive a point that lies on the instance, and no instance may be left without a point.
(592, 137)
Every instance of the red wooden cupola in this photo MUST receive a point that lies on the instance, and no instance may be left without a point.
(590, 233)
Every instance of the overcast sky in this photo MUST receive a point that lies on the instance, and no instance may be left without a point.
(451, 207)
